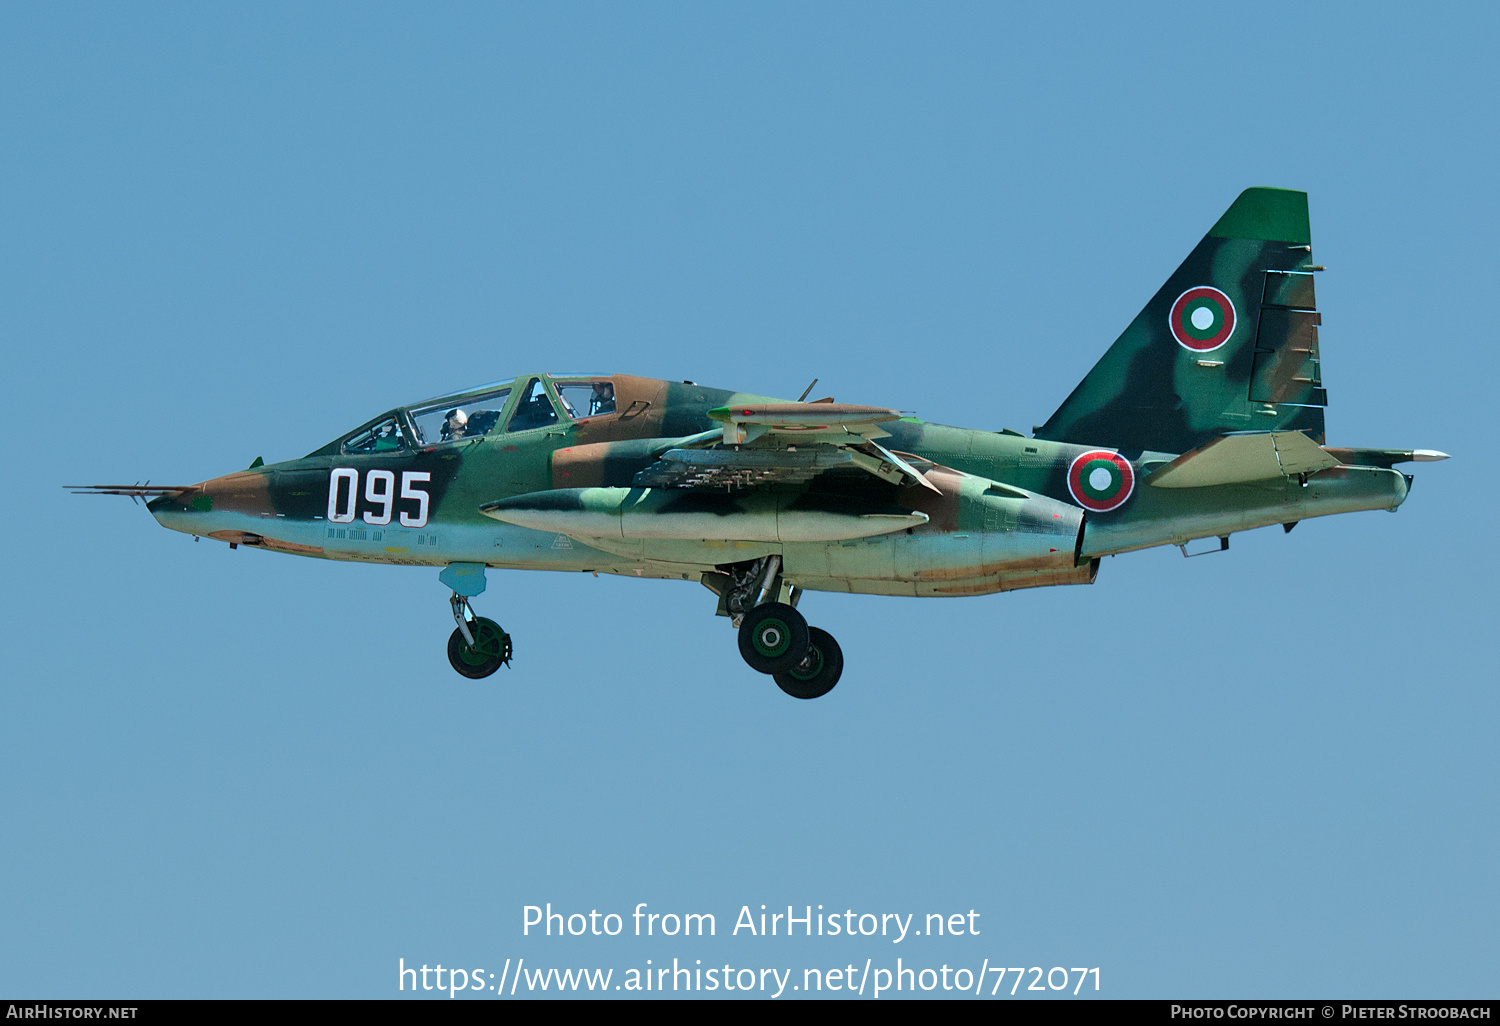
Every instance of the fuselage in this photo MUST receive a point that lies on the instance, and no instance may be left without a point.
(1002, 510)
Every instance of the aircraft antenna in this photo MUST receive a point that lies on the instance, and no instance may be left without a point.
(808, 390)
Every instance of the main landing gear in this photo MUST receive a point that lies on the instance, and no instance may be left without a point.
(774, 638)
(819, 670)
(478, 646)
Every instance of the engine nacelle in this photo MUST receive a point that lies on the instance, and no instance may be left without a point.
(981, 536)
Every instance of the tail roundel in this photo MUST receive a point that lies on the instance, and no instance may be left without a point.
(1229, 343)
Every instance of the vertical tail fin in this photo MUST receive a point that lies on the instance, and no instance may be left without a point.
(1229, 343)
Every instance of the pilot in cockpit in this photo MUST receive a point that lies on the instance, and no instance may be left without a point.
(454, 424)
(603, 399)
(388, 437)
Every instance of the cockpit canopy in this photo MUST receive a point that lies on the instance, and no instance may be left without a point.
(451, 419)
(520, 404)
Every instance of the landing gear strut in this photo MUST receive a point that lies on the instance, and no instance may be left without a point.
(774, 638)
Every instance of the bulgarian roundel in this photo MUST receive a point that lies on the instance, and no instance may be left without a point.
(1101, 480)
(1202, 319)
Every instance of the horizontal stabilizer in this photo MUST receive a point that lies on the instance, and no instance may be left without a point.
(1235, 459)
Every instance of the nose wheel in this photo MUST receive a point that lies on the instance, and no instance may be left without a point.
(478, 646)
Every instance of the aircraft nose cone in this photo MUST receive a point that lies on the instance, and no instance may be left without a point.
(191, 500)
(197, 510)
(183, 511)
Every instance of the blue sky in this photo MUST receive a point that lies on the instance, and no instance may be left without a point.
(238, 231)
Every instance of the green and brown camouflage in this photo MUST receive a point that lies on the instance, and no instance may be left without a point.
(1204, 418)
(1249, 363)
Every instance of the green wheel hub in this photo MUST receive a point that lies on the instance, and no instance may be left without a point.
(490, 651)
(490, 642)
(809, 668)
(772, 638)
(815, 675)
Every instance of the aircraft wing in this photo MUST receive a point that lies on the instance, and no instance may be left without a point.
(767, 443)
(730, 468)
(825, 420)
(1240, 458)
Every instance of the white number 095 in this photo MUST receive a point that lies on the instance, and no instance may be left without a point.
(380, 494)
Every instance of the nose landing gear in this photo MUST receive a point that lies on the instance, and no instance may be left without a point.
(478, 646)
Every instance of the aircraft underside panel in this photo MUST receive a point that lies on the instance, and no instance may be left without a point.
(988, 585)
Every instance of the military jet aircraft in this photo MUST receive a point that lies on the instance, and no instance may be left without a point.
(1205, 417)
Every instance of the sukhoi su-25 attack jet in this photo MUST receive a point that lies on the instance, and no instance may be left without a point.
(1204, 418)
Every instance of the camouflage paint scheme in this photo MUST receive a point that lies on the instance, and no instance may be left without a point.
(972, 512)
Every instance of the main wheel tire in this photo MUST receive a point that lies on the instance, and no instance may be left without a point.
(773, 637)
(491, 649)
(816, 675)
